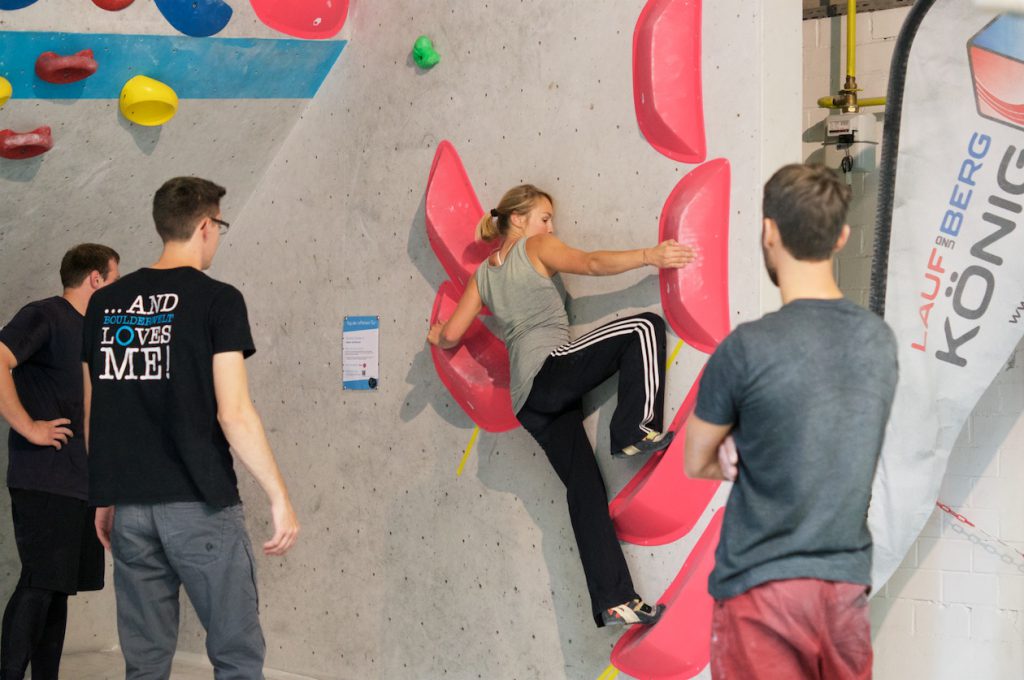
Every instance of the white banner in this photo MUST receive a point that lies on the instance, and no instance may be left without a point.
(955, 292)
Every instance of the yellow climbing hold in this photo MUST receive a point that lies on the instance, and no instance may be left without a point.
(5, 90)
(148, 102)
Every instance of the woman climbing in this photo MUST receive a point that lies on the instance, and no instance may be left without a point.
(550, 373)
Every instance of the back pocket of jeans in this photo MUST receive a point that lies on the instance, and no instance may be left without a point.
(199, 535)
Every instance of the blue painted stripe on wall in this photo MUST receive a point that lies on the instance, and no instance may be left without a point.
(196, 68)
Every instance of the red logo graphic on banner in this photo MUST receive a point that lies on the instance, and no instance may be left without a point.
(996, 54)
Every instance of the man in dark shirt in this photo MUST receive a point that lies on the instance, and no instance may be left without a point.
(793, 408)
(47, 472)
(166, 393)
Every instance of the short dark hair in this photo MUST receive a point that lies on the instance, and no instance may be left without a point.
(84, 259)
(808, 203)
(181, 203)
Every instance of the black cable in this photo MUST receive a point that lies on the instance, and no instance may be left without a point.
(890, 152)
(846, 165)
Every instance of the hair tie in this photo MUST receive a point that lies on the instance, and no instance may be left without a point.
(494, 213)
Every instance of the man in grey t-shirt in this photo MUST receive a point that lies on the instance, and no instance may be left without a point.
(793, 409)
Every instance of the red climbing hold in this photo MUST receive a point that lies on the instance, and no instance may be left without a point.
(661, 504)
(55, 68)
(452, 214)
(310, 19)
(696, 298)
(667, 91)
(475, 372)
(19, 145)
(112, 5)
(678, 646)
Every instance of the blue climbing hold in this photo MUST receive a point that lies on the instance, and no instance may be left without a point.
(196, 18)
(15, 4)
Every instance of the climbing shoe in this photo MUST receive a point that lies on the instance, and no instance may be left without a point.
(629, 613)
(655, 441)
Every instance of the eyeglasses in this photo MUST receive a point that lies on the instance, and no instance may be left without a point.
(224, 226)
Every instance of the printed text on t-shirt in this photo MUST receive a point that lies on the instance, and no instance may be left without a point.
(136, 342)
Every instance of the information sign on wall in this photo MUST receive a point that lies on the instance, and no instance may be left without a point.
(360, 352)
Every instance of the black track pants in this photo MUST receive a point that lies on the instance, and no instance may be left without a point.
(635, 348)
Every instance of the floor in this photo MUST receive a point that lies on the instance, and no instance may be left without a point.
(110, 666)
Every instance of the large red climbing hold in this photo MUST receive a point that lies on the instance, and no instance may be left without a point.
(661, 504)
(20, 145)
(452, 214)
(696, 298)
(309, 19)
(62, 69)
(476, 372)
(112, 5)
(667, 91)
(678, 646)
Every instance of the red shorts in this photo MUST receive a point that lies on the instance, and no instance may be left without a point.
(793, 629)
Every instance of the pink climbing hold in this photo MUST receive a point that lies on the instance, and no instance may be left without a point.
(309, 19)
(696, 298)
(476, 372)
(661, 504)
(112, 5)
(678, 646)
(21, 145)
(452, 214)
(63, 69)
(667, 91)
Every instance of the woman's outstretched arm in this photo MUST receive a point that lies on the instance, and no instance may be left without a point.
(556, 257)
(447, 334)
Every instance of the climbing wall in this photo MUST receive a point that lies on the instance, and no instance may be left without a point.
(429, 549)
(409, 569)
(96, 181)
(241, 91)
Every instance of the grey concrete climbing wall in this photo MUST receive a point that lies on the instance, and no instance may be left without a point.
(405, 570)
(96, 184)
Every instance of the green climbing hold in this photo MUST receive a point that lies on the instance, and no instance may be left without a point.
(424, 54)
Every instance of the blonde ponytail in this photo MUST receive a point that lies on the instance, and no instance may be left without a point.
(488, 228)
(518, 200)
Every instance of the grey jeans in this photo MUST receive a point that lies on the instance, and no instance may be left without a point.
(159, 548)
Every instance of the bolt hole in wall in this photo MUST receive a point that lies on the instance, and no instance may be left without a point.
(955, 607)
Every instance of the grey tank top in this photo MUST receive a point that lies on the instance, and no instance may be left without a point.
(530, 313)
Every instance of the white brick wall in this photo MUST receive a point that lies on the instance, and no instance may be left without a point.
(955, 607)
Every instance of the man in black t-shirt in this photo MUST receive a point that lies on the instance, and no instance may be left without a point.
(166, 394)
(792, 408)
(47, 471)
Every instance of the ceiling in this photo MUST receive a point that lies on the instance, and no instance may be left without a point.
(816, 9)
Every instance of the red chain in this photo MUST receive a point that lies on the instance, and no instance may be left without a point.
(950, 511)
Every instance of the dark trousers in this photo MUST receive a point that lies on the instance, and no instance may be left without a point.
(635, 348)
(33, 631)
(60, 555)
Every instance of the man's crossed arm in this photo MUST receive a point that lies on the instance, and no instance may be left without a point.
(710, 450)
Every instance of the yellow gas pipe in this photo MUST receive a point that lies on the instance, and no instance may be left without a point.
(847, 98)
